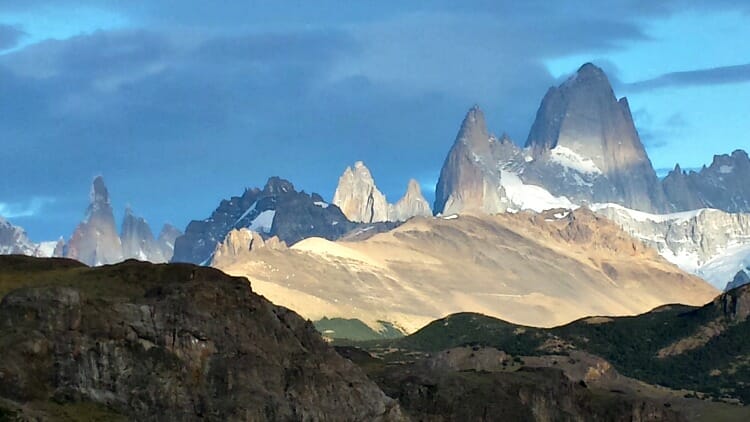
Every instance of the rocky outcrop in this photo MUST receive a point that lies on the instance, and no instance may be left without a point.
(584, 145)
(469, 179)
(723, 185)
(412, 204)
(740, 279)
(240, 242)
(276, 210)
(138, 240)
(358, 197)
(95, 240)
(710, 243)
(433, 389)
(174, 343)
(14, 241)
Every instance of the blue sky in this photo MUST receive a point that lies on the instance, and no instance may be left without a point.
(179, 103)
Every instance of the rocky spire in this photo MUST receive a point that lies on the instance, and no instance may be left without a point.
(584, 121)
(358, 197)
(138, 240)
(412, 204)
(166, 240)
(469, 179)
(95, 240)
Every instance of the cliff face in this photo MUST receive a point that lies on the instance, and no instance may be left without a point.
(362, 202)
(711, 243)
(412, 204)
(469, 179)
(722, 185)
(177, 341)
(95, 241)
(358, 197)
(582, 129)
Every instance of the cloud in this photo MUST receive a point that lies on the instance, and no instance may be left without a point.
(195, 102)
(9, 36)
(713, 76)
(29, 208)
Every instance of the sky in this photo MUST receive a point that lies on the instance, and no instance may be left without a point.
(179, 104)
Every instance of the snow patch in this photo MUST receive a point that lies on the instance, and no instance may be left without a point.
(531, 197)
(46, 249)
(641, 216)
(263, 222)
(246, 213)
(321, 204)
(726, 169)
(566, 157)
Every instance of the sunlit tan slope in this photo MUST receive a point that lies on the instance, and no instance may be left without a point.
(531, 269)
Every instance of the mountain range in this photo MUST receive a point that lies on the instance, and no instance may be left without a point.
(583, 149)
(534, 269)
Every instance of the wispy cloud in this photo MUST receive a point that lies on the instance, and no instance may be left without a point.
(712, 76)
(29, 208)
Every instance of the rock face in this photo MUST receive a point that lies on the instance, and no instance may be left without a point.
(412, 204)
(740, 279)
(710, 243)
(470, 179)
(584, 145)
(276, 210)
(14, 241)
(362, 202)
(95, 240)
(358, 197)
(138, 241)
(723, 185)
(166, 240)
(177, 341)
(244, 241)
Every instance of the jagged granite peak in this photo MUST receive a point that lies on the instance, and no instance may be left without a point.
(722, 185)
(95, 241)
(740, 279)
(679, 192)
(14, 241)
(412, 204)
(166, 239)
(358, 197)
(276, 210)
(138, 240)
(584, 128)
(469, 179)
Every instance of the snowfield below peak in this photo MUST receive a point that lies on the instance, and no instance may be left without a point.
(568, 158)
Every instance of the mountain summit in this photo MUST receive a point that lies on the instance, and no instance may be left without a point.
(469, 179)
(582, 126)
(95, 240)
(358, 197)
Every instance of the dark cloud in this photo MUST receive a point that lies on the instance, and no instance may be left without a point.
(713, 76)
(9, 36)
(203, 101)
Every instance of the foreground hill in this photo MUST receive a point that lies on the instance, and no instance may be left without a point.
(168, 342)
(704, 349)
(534, 269)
